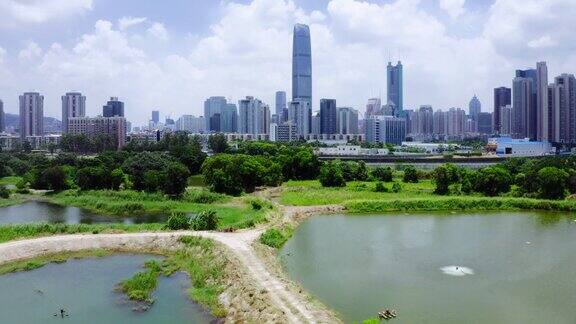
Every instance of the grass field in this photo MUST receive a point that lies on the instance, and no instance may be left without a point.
(9, 181)
(233, 212)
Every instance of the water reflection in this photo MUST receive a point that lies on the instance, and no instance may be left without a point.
(42, 212)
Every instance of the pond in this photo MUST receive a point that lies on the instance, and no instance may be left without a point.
(85, 289)
(440, 268)
(43, 212)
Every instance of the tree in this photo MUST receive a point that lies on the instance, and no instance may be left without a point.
(361, 171)
(154, 180)
(383, 174)
(218, 143)
(410, 174)
(444, 176)
(175, 180)
(331, 175)
(26, 147)
(492, 181)
(136, 166)
(55, 178)
(117, 179)
(4, 192)
(90, 178)
(553, 183)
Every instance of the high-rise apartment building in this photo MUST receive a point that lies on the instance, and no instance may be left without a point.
(191, 124)
(31, 114)
(301, 63)
(474, 108)
(347, 120)
(502, 98)
(328, 116)
(2, 117)
(280, 107)
(440, 123)
(73, 105)
(456, 122)
(562, 99)
(155, 116)
(505, 120)
(113, 108)
(522, 108)
(543, 122)
(395, 87)
(300, 116)
(425, 121)
(254, 117)
(92, 126)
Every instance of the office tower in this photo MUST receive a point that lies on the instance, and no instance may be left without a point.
(2, 117)
(542, 113)
(373, 107)
(301, 63)
(455, 120)
(155, 116)
(347, 120)
(316, 124)
(280, 106)
(474, 108)
(385, 129)
(229, 119)
(522, 108)
(254, 116)
(300, 116)
(113, 108)
(328, 116)
(395, 90)
(411, 122)
(502, 98)
(484, 123)
(530, 113)
(190, 124)
(93, 126)
(31, 114)
(563, 101)
(440, 125)
(389, 109)
(505, 120)
(425, 124)
(213, 108)
(73, 105)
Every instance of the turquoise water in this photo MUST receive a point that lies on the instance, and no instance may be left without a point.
(85, 289)
(512, 267)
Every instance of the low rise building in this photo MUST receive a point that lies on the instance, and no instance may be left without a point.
(507, 146)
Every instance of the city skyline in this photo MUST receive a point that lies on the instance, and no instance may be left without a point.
(163, 62)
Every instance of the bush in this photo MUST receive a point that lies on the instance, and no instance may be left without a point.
(383, 174)
(175, 179)
(553, 183)
(410, 174)
(258, 204)
(275, 238)
(203, 196)
(444, 176)
(205, 221)
(380, 187)
(396, 187)
(178, 221)
(331, 175)
(4, 192)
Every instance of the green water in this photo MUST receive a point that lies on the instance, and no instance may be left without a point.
(85, 289)
(523, 265)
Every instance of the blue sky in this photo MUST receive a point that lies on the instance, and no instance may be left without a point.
(171, 55)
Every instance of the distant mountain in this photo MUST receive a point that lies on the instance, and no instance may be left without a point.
(51, 124)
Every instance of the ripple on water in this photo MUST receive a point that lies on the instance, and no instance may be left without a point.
(457, 271)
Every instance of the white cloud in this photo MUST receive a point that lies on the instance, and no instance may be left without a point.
(127, 22)
(454, 8)
(32, 51)
(40, 11)
(158, 31)
(541, 42)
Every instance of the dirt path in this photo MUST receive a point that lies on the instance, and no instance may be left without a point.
(239, 243)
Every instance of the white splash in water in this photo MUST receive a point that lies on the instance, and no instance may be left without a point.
(457, 271)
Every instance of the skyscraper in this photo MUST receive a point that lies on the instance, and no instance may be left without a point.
(502, 98)
(113, 108)
(530, 122)
(395, 87)
(474, 108)
(522, 108)
(31, 114)
(301, 63)
(2, 117)
(543, 110)
(563, 100)
(347, 120)
(425, 124)
(213, 108)
(373, 107)
(73, 105)
(328, 116)
(229, 119)
(253, 117)
(155, 116)
(300, 116)
(505, 120)
(484, 123)
(385, 129)
(280, 106)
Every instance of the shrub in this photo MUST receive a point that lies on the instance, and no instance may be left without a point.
(396, 187)
(331, 175)
(383, 174)
(410, 174)
(4, 192)
(206, 220)
(178, 221)
(203, 197)
(275, 238)
(258, 204)
(380, 187)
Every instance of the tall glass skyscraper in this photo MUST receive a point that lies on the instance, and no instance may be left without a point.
(395, 88)
(301, 64)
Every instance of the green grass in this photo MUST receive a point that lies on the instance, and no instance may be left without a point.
(142, 284)
(23, 231)
(9, 181)
(232, 212)
(206, 267)
(38, 262)
(13, 200)
(309, 193)
(276, 238)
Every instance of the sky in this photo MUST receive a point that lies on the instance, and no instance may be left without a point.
(172, 55)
